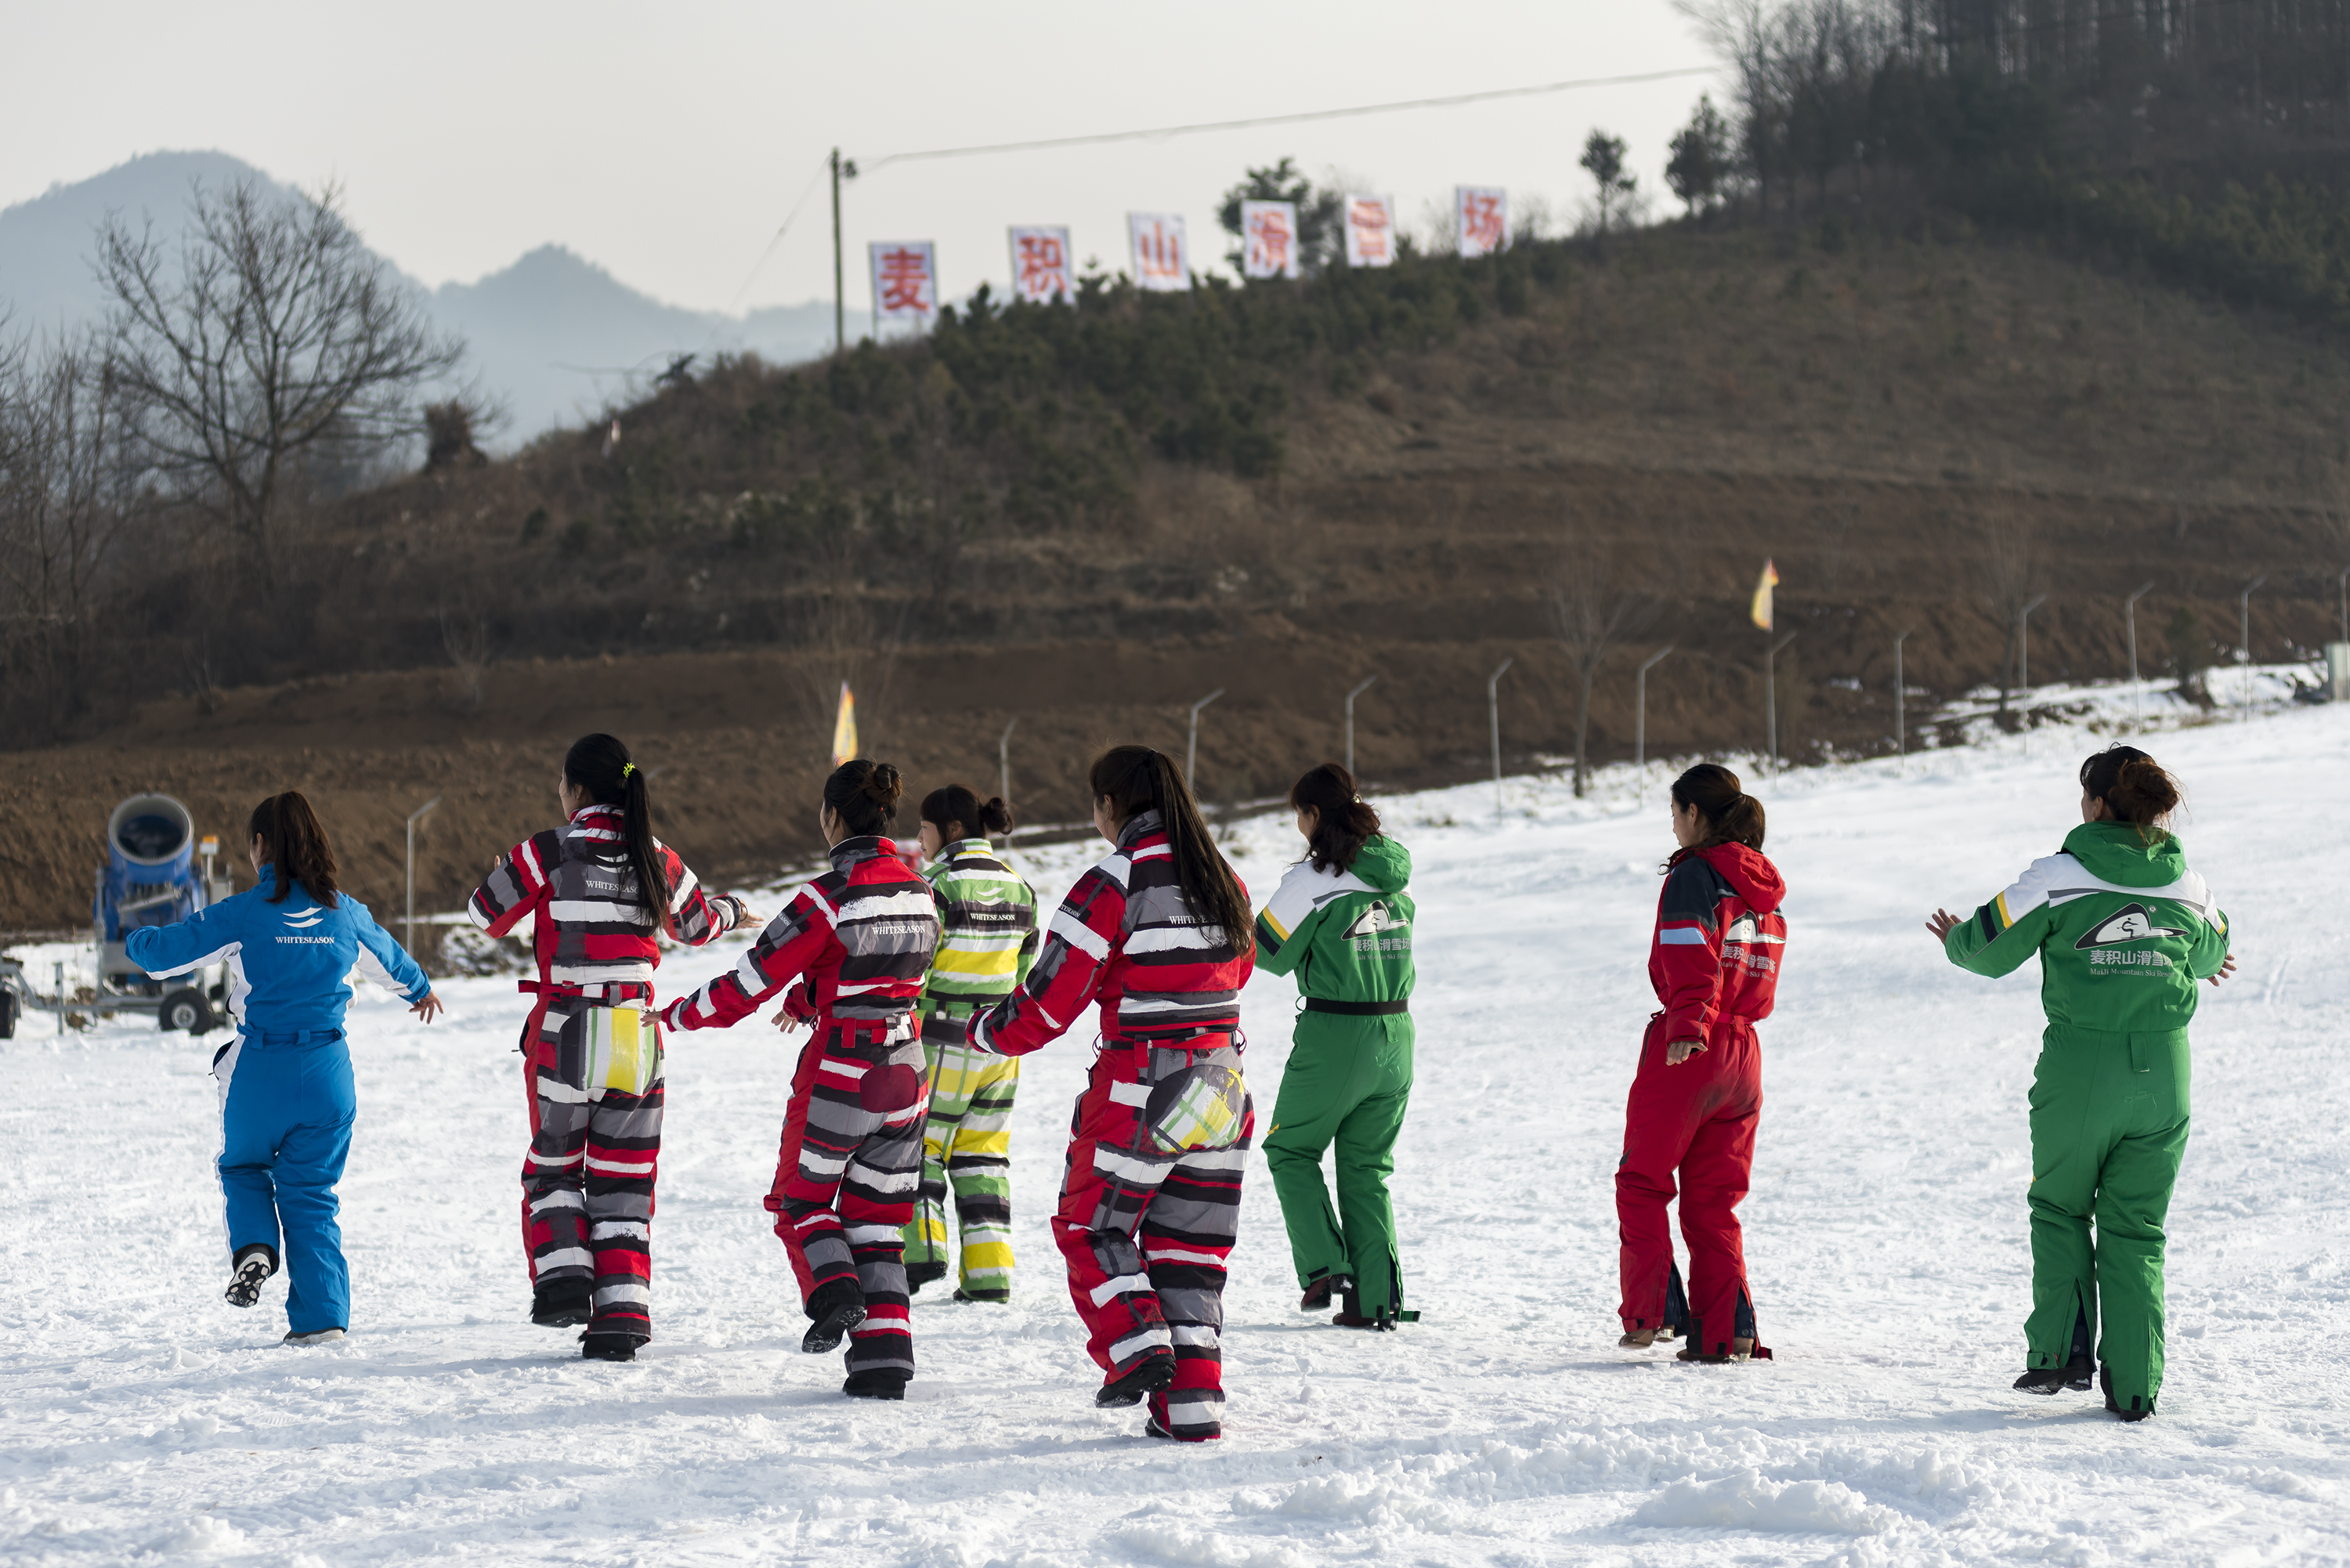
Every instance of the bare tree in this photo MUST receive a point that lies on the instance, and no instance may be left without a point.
(272, 338)
(1597, 598)
(2009, 561)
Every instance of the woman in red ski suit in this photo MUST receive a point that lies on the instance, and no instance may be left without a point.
(1159, 934)
(596, 890)
(1715, 963)
(859, 939)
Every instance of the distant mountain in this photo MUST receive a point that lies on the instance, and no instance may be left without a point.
(553, 335)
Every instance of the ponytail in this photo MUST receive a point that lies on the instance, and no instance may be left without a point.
(1731, 815)
(865, 794)
(958, 805)
(1138, 779)
(295, 842)
(1343, 823)
(599, 765)
(2134, 787)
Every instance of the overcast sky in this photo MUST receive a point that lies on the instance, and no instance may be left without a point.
(668, 143)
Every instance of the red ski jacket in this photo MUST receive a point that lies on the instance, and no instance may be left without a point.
(594, 933)
(1719, 937)
(1126, 937)
(862, 933)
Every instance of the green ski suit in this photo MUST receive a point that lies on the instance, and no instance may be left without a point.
(1348, 936)
(2123, 930)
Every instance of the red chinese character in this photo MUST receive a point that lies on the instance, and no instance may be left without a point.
(1044, 266)
(1481, 221)
(905, 282)
(1269, 234)
(1370, 220)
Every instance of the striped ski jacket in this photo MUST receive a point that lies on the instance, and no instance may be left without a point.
(1720, 938)
(1126, 939)
(862, 934)
(1346, 933)
(2122, 929)
(593, 931)
(987, 935)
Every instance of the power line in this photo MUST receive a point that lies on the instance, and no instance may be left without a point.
(1159, 133)
(789, 218)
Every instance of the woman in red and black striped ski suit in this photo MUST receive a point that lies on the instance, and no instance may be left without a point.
(859, 939)
(597, 889)
(1159, 934)
(1698, 1094)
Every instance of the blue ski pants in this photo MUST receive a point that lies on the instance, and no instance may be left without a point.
(286, 1108)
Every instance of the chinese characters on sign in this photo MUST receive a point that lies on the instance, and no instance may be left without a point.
(1162, 259)
(1483, 213)
(1269, 238)
(1370, 230)
(1040, 265)
(905, 285)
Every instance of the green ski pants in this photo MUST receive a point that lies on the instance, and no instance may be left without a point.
(2108, 1125)
(1347, 1083)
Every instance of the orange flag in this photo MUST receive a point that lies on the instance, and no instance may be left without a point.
(1762, 586)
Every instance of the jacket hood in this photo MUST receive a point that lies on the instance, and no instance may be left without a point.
(2112, 850)
(1757, 880)
(1383, 863)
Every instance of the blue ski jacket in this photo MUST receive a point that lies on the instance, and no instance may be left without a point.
(289, 964)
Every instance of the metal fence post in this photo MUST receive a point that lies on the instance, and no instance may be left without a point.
(413, 817)
(1493, 713)
(1192, 751)
(1357, 691)
(1640, 722)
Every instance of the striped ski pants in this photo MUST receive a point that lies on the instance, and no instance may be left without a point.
(967, 1145)
(1146, 1233)
(845, 1177)
(587, 1183)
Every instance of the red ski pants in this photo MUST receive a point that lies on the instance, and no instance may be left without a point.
(1146, 1233)
(587, 1183)
(846, 1174)
(1695, 1121)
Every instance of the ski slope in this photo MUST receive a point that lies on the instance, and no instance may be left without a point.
(142, 1420)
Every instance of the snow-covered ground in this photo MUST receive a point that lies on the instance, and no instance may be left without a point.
(141, 1420)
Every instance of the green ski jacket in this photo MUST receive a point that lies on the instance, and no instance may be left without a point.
(1347, 934)
(987, 928)
(2122, 929)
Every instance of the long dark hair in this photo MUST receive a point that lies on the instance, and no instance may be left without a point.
(1138, 779)
(2134, 787)
(1731, 815)
(958, 805)
(865, 794)
(599, 765)
(294, 840)
(1343, 821)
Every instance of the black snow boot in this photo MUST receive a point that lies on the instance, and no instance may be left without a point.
(1138, 1383)
(2074, 1374)
(609, 1346)
(880, 1383)
(248, 1272)
(2139, 1409)
(563, 1303)
(920, 1274)
(836, 1307)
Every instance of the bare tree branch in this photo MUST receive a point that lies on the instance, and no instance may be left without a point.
(1598, 598)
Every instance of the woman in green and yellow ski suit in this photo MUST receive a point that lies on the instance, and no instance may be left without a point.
(1342, 922)
(2123, 930)
(987, 940)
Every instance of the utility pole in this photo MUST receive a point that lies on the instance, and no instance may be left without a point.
(1493, 713)
(842, 169)
(2129, 618)
(1641, 721)
(1900, 700)
(2023, 643)
(1003, 766)
(414, 818)
(1357, 691)
(1770, 699)
(2244, 637)
(1191, 753)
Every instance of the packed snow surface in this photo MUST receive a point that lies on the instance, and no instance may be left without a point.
(141, 1419)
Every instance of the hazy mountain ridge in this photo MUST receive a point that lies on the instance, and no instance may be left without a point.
(555, 335)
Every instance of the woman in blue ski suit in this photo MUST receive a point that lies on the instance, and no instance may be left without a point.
(287, 1100)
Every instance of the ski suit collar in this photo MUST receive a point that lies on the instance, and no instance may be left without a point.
(851, 853)
(961, 848)
(1383, 863)
(1138, 826)
(2112, 850)
(1758, 881)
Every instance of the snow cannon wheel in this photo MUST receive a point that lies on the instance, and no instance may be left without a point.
(185, 1010)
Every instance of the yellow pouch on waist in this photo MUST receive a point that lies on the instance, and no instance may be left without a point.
(605, 1050)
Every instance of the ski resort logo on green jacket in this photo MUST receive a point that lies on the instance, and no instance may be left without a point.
(1346, 934)
(2122, 929)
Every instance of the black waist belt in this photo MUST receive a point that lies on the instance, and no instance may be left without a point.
(1357, 1009)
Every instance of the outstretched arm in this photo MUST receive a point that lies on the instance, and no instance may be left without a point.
(793, 941)
(1997, 937)
(1084, 932)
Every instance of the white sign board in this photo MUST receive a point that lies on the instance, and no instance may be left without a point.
(1040, 265)
(1370, 230)
(1162, 257)
(1482, 212)
(1268, 239)
(905, 285)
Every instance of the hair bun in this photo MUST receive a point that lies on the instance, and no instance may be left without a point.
(884, 785)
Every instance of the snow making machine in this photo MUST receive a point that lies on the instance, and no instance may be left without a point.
(151, 878)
